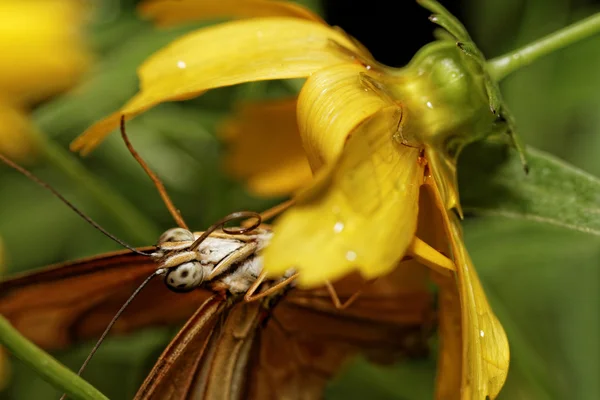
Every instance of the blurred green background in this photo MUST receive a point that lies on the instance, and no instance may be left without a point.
(543, 281)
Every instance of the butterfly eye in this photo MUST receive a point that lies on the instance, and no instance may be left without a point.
(185, 277)
(176, 235)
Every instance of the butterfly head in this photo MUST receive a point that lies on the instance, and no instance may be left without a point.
(183, 271)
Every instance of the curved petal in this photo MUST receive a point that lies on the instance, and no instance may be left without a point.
(443, 169)
(227, 54)
(264, 148)
(42, 54)
(450, 355)
(331, 104)
(432, 229)
(359, 214)
(485, 350)
(486, 353)
(171, 12)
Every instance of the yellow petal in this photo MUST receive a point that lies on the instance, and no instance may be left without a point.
(170, 12)
(16, 141)
(486, 354)
(450, 362)
(359, 214)
(331, 104)
(264, 148)
(443, 169)
(432, 258)
(432, 229)
(42, 51)
(227, 54)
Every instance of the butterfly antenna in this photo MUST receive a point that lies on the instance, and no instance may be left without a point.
(90, 221)
(157, 182)
(159, 271)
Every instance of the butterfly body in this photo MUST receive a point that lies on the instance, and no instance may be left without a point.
(222, 262)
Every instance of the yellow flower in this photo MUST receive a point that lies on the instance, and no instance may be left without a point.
(42, 54)
(271, 164)
(382, 146)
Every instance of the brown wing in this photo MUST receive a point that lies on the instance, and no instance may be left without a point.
(307, 340)
(59, 305)
(179, 366)
(252, 351)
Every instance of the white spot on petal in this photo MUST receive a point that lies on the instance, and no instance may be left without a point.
(338, 227)
(181, 64)
(351, 256)
(481, 333)
(429, 104)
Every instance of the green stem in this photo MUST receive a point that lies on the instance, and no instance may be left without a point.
(45, 365)
(502, 66)
(136, 226)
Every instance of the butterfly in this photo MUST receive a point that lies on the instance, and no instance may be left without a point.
(246, 336)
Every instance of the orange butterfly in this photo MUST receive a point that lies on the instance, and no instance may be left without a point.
(248, 337)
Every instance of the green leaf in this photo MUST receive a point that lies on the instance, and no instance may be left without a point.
(492, 182)
(410, 380)
(543, 283)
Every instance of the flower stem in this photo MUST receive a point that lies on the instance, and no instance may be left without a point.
(137, 227)
(502, 66)
(46, 366)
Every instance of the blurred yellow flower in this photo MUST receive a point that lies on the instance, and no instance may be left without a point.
(42, 54)
(381, 143)
(271, 164)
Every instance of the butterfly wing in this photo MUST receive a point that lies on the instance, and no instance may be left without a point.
(307, 340)
(237, 350)
(57, 306)
(179, 368)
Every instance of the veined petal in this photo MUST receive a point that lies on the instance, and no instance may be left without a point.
(443, 170)
(359, 214)
(42, 52)
(227, 54)
(171, 12)
(450, 358)
(485, 350)
(432, 229)
(264, 148)
(331, 104)
(486, 353)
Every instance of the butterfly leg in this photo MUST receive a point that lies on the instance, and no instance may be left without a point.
(336, 300)
(250, 296)
(239, 255)
(424, 253)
